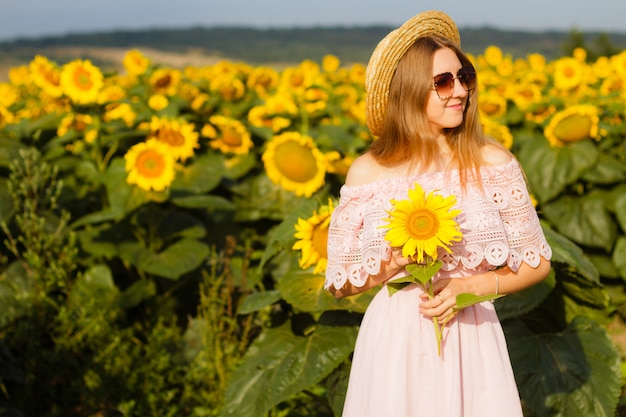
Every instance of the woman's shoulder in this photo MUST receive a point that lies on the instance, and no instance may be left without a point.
(365, 170)
(495, 155)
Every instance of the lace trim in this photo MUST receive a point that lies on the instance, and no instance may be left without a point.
(500, 225)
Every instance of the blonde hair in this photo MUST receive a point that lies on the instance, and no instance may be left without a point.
(407, 135)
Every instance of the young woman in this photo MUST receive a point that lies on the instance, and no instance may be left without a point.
(421, 103)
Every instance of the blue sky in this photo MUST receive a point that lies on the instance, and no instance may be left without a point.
(33, 18)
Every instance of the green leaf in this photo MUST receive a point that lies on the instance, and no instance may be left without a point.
(182, 257)
(583, 219)
(619, 256)
(210, 203)
(567, 252)
(465, 300)
(140, 290)
(280, 364)
(574, 373)
(519, 303)
(7, 206)
(258, 301)
(203, 175)
(619, 208)
(282, 236)
(423, 273)
(305, 292)
(607, 170)
(550, 170)
(16, 293)
(259, 198)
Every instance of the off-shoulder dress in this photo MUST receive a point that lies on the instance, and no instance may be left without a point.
(396, 370)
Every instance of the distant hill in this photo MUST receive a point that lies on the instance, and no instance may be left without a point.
(284, 46)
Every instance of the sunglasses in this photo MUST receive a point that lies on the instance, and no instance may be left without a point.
(444, 83)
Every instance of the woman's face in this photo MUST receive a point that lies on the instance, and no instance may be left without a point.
(446, 113)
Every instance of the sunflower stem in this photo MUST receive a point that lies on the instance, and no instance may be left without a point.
(438, 335)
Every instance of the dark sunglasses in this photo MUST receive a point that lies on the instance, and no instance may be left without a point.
(444, 83)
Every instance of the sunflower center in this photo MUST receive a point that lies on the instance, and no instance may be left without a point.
(319, 240)
(573, 128)
(296, 162)
(163, 82)
(231, 137)
(150, 163)
(423, 224)
(171, 137)
(82, 79)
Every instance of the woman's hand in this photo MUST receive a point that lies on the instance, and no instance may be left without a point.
(443, 303)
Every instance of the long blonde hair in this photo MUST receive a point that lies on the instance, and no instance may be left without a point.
(407, 135)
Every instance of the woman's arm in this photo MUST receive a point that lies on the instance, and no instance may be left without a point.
(502, 281)
(387, 270)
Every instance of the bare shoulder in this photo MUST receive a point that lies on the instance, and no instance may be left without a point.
(364, 170)
(494, 154)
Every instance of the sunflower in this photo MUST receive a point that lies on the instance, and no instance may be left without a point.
(262, 80)
(422, 224)
(46, 75)
(178, 135)
(135, 63)
(493, 56)
(568, 73)
(491, 104)
(330, 63)
(228, 87)
(150, 165)
(498, 131)
(120, 111)
(81, 81)
(313, 239)
(572, 125)
(165, 81)
(158, 102)
(294, 162)
(233, 137)
(618, 63)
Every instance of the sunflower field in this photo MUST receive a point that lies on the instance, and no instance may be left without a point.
(164, 234)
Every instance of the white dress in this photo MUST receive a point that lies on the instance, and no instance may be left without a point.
(396, 370)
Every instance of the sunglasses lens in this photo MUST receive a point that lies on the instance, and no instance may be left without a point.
(444, 84)
(467, 77)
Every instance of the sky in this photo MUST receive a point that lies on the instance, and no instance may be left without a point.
(38, 18)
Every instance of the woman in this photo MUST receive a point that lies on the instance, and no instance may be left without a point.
(421, 104)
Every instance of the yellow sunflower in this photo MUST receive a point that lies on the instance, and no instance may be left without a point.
(150, 165)
(165, 81)
(330, 63)
(498, 131)
(179, 135)
(568, 73)
(422, 224)
(233, 137)
(81, 81)
(158, 102)
(46, 75)
(229, 87)
(313, 239)
(293, 161)
(572, 125)
(618, 63)
(492, 104)
(135, 63)
(120, 111)
(262, 80)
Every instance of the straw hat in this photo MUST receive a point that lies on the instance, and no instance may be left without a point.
(390, 50)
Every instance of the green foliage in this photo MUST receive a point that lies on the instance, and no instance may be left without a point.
(75, 342)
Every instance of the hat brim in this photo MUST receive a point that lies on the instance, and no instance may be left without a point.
(384, 60)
